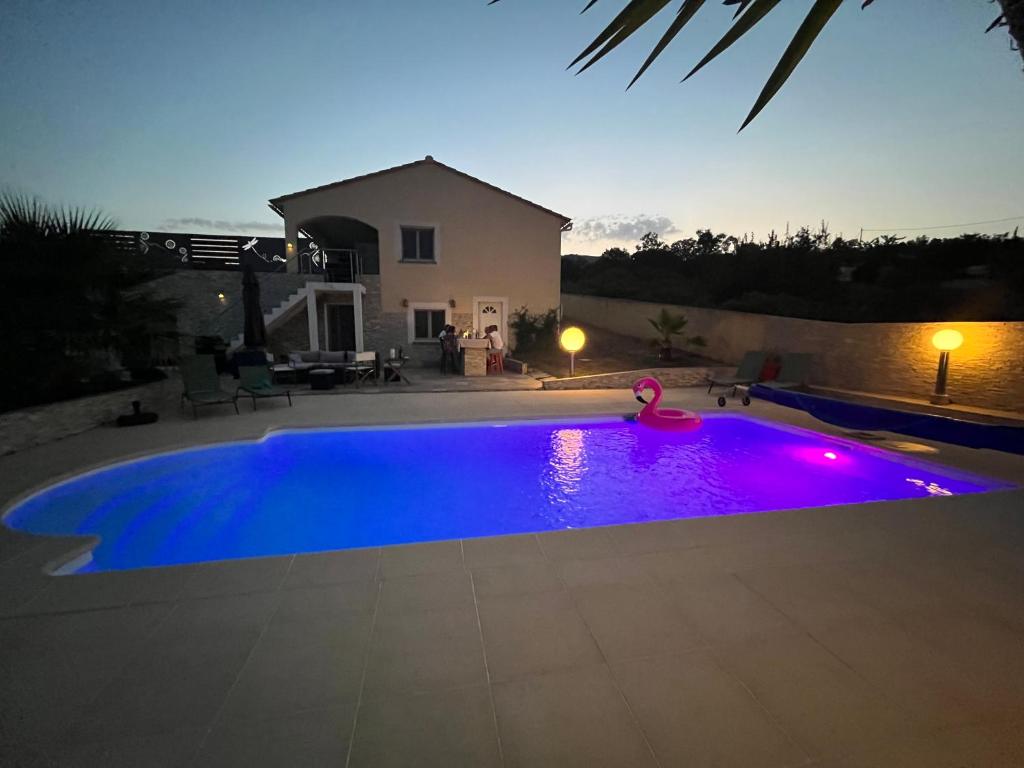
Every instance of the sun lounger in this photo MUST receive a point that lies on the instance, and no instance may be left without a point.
(748, 372)
(255, 381)
(202, 384)
(793, 373)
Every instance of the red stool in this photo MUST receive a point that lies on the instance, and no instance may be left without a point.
(495, 363)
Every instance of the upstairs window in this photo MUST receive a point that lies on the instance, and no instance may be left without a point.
(418, 244)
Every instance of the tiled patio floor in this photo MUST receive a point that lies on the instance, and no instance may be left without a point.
(875, 635)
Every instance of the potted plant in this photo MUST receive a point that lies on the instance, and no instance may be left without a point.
(668, 325)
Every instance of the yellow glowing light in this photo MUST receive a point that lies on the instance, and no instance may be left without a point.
(220, 296)
(290, 246)
(572, 339)
(947, 340)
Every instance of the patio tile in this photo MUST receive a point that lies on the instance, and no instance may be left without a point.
(227, 615)
(624, 570)
(311, 604)
(171, 749)
(995, 745)
(52, 666)
(696, 715)
(412, 559)
(818, 598)
(235, 577)
(333, 567)
(629, 622)
(311, 738)
(908, 672)
(447, 589)
(516, 579)
(658, 536)
(577, 544)
(679, 564)
(300, 666)
(111, 589)
(448, 729)
(828, 709)
(502, 550)
(569, 718)
(726, 611)
(172, 685)
(424, 650)
(19, 584)
(533, 634)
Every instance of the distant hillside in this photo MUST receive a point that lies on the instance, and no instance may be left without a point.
(580, 258)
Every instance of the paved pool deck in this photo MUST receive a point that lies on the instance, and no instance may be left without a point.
(888, 634)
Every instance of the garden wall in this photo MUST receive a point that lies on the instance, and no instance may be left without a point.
(42, 424)
(891, 358)
(670, 377)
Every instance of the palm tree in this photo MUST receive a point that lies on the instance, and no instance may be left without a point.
(668, 325)
(74, 299)
(637, 13)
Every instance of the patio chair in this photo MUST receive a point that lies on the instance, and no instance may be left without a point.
(255, 381)
(747, 372)
(364, 366)
(793, 373)
(202, 384)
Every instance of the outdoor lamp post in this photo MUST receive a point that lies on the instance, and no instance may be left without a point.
(572, 341)
(945, 341)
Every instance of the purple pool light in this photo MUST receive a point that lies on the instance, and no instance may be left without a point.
(315, 490)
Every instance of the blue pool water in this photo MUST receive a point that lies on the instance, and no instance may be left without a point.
(315, 490)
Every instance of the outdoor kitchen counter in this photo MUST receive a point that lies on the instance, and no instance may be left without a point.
(474, 356)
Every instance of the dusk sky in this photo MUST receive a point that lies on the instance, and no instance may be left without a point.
(190, 115)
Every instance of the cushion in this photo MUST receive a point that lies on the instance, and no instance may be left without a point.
(309, 357)
(333, 357)
(294, 357)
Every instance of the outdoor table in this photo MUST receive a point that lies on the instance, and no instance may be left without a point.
(284, 374)
(474, 356)
(321, 378)
(393, 369)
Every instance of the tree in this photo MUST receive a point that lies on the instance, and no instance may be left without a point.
(668, 325)
(75, 301)
(637, 13)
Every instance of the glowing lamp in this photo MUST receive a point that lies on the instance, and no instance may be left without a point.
(572, 341)
(830, 455)
(290, 247)
(945, 341)
(220, 296)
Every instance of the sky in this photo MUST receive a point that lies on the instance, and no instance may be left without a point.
(189, 116)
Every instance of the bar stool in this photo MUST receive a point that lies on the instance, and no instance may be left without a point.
(495, 361)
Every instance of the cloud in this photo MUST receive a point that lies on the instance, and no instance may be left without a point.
(620, 227)
(193, 223)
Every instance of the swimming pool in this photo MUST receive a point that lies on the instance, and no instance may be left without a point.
(315, 490)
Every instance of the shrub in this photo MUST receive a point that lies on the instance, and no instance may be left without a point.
(534, 330)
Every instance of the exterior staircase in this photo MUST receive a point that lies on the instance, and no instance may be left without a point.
(279, 313)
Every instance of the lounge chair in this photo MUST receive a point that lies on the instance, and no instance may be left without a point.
(747, 372)
(255, 381)
(202, 384)
(793, 373)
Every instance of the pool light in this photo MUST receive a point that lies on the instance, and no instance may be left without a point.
(572, 341)
(945, 341)
(830, 455)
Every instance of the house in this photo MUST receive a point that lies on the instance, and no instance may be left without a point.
(405, 251)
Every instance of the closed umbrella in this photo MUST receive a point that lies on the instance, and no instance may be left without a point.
(254, 330)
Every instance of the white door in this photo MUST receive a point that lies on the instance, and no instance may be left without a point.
(491, 313)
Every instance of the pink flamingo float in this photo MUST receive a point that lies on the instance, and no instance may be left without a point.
(669, 419)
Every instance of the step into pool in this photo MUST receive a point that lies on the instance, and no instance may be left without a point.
(314, 490)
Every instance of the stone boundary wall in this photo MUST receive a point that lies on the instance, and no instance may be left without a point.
(42, 424)
(669, 377)
(887, 358)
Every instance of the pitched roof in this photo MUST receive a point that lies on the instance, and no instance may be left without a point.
(275, 203)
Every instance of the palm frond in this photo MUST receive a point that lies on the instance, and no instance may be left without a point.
(743, 25)
(686, 12)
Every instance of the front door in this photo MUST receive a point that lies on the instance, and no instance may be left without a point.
(491, 313)
(341, 327)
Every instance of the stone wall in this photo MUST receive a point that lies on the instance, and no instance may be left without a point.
(888, 358)
(42, 424)
(669, 377)
(202, 313)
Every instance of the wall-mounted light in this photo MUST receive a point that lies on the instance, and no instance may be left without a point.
(220, 296)
(451, 303)
(290, 247)
(405, 302)
(572, 341)
(945, 341)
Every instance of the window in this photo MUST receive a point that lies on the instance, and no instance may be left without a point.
(427, 323)
(418, 244)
